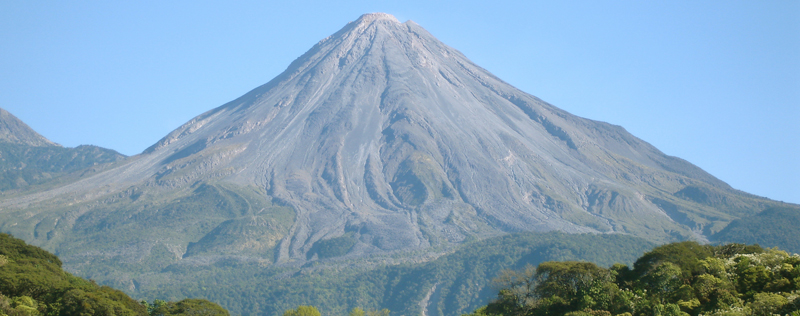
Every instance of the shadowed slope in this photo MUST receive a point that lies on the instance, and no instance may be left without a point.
(774, 227)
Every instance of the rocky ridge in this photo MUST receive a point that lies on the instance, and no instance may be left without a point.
(14, 131)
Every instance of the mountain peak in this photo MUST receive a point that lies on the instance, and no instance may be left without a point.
(13, 130)
(376, 16)
(385, 139)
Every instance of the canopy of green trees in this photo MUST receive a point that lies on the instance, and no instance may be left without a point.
(676, 279)
(32, 283)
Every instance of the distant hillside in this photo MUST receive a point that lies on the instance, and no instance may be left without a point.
(451, 285)
(22, 165)
(27, 158)
(774, 227)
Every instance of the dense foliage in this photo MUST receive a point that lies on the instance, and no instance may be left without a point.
(334, 247)
(774, 227)
(189, 307)
(675, 279)
(457, 283)
(32, 283)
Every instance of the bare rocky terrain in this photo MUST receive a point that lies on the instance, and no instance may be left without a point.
(384, 136)
(14, 131)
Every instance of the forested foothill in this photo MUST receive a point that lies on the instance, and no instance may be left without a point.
(454, 284)
(773, 227)
(32, 283)
(677, 279)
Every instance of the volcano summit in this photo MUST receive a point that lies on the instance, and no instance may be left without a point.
(379, 139)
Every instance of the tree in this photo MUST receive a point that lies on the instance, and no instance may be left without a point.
(356, 312)
(151, 309)
(672, 280)
(686, 255)
(24, 306)
(569, 279)
(360, 312)
(382, 312)
(767, 304)
(662, 279)
(553, 287)
(302, 311)
(189, 307)
(518, 284)
(668, 310)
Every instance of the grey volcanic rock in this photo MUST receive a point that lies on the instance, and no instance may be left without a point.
(385, 134)
(14, 131)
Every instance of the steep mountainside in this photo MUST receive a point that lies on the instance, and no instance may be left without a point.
(378, 141)
(14, 131)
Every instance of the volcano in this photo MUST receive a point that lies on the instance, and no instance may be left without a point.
(379, 139)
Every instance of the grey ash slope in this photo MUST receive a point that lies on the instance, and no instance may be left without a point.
(14, 131)
(382, 134)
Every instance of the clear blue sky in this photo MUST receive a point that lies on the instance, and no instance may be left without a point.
(714, 82)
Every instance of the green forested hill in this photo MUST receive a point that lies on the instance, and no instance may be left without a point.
(774, 227)
(32, 283)
(450, 285)
(679, 279)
